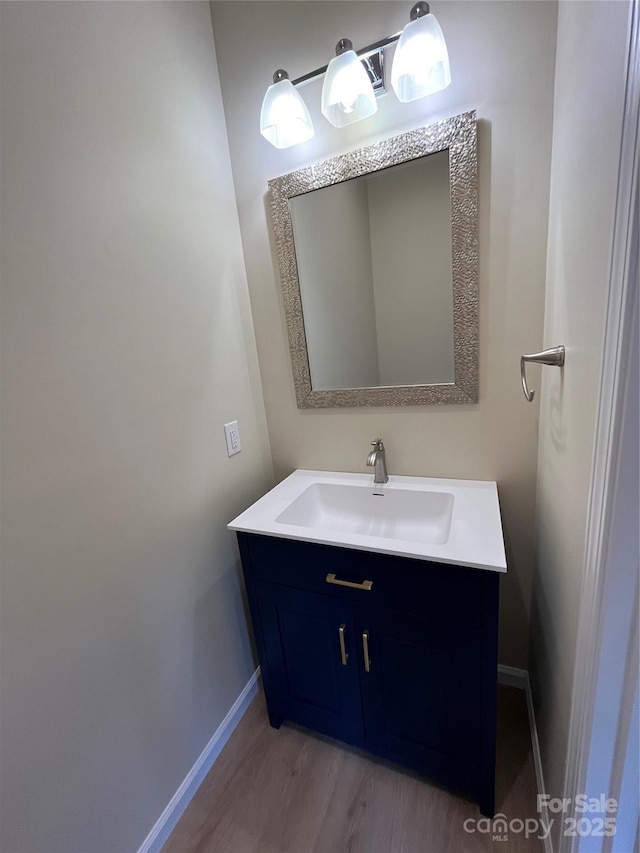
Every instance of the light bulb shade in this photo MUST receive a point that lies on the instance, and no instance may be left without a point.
(284, 118)
(347, 93)
(421, 61)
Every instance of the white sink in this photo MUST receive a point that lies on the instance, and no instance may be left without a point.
(446, 521)
(409, 515)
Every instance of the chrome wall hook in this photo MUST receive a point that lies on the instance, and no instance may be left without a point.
(553, 356)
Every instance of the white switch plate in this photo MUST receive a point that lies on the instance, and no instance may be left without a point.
(232, 436)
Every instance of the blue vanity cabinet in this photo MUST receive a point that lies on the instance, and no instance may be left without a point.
(394, 655)
(311, 658)
(419, 680)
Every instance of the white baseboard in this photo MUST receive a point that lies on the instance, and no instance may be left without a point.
(519, 678)
(512, 677)
(182, 797)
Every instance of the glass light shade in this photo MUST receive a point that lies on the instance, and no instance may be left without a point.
(421, 61)
(284, 118)
(347, 93)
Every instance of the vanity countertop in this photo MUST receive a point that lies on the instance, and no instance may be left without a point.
(463, 526)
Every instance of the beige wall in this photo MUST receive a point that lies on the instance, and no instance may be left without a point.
(502, 57)
(588, 105)
(126, 344)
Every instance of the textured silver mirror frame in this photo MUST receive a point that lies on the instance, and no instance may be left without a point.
(458, 134)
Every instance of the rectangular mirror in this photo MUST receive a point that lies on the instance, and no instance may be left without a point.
(377, 252)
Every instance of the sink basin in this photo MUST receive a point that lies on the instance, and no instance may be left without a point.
(423, 518)
(409, 515)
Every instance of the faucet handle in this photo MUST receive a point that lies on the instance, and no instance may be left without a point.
(377, 443)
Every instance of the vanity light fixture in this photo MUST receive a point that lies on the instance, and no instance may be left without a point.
(284, 118)
(347, 93)
(353, 79)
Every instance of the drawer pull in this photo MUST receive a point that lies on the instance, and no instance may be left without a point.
(365, 650)
(343, 651)
(331, 578)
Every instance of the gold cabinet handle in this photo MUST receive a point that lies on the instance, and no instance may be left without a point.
(365, 650)
(343, 651)
(331, 578)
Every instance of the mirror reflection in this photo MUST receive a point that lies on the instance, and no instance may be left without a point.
(374, 264)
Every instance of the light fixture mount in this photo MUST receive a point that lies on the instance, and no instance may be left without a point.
(419, 11)
(343, 46)
(374, 66)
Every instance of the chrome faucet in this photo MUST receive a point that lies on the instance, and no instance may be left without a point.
(376, 460)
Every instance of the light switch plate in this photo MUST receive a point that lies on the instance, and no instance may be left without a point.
(232, 436)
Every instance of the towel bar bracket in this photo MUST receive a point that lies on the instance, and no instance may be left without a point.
(553, 357)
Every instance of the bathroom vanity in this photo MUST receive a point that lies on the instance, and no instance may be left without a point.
(366, 631)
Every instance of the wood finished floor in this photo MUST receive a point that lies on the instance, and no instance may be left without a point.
(291, 791)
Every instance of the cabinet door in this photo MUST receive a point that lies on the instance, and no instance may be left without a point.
(315, 683)
(421, 694)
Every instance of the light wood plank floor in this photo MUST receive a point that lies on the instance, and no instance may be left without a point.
(291, 791)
